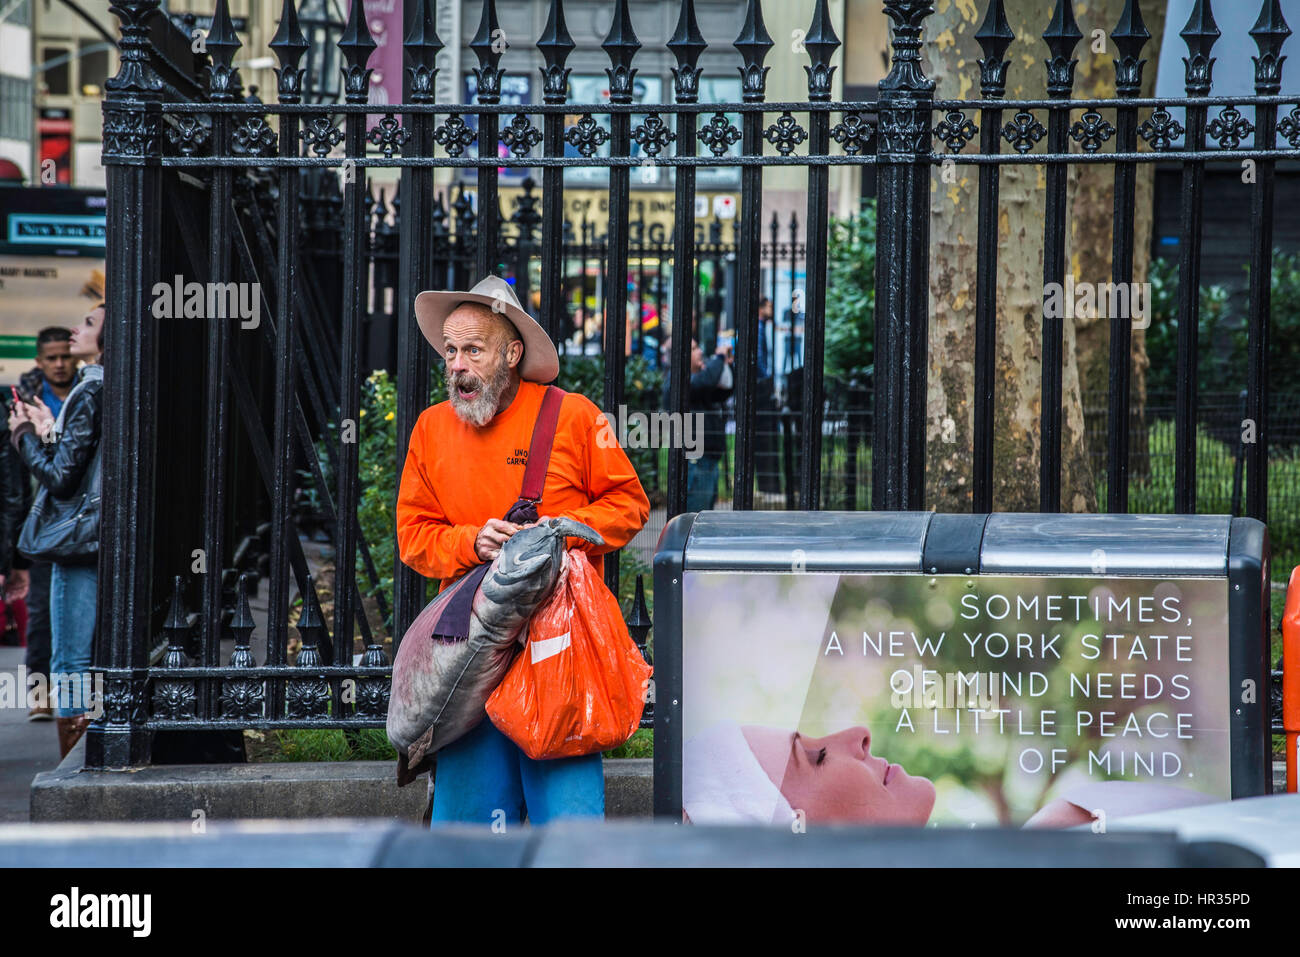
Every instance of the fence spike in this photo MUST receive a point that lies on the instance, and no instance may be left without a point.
(1130, 36)
(1062, 36)
(753, 43)
(357, 44)
(422, 46)
(488, 44)
(686, 44)
(621, 44)
(821, 42)
(222, 42)
(1200, 34)
(995, 37)
(1270, 32)
(289, 46)
(556, 44)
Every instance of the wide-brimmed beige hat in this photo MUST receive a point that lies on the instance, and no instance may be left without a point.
(541, 363)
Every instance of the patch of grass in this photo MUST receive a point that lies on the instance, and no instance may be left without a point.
(640, 745)
(325, 744)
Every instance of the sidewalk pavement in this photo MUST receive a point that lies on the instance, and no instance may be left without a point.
(26, 747)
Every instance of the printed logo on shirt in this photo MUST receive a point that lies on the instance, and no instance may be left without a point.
(520, 457)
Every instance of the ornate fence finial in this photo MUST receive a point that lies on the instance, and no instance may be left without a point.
(905, 74)
(357, 44)
(687, 43)
(309, 697)
(556, 45)
(821, 44)
(1130, 36)
(222, 42)
(174, 699)
(242, 625)
(135, 75)
(1199, 34)
(1062, 36)
(422, 46)
(177, 627)
(1270, 32)
(995, 37)
(621, 44)
(488, 45)
(289, 45)
(242, 698)
(753, 44)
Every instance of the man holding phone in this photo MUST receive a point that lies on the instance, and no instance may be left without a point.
(42, 390)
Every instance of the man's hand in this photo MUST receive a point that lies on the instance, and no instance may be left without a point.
(15, 586)
(494, 534)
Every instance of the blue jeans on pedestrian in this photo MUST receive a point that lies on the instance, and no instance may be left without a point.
(485, 779)
(72, 631)
(701, 483)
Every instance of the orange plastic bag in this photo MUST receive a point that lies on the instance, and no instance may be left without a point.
(580, 684)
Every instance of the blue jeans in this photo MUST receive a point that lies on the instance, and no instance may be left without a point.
(701, 483)
(72, 630)
(485, 779)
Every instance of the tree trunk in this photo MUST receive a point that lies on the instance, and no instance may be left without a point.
(952, 54)
(1092, 217)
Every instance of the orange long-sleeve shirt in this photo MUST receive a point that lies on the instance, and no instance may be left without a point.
(457, 476)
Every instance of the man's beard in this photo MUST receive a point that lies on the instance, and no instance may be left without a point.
(479, 410)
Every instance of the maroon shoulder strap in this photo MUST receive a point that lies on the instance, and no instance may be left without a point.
(454, 620)
(539, 450)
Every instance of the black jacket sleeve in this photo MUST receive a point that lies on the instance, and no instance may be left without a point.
(60, 467)
(13, 498)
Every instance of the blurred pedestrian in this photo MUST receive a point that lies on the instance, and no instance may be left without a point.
(711, 385)
(63, 467)
(50, 380)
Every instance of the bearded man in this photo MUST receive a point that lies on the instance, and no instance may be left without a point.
(464, 469)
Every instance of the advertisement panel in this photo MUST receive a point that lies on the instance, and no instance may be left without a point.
(51, 259)
(816, 698)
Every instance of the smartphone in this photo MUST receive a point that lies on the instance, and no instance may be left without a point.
(727, 341)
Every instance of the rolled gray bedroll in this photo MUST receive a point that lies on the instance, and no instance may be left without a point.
(440, 685)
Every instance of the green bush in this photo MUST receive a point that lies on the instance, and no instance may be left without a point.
(1219, 344)
(851, 295)
(1222, 331)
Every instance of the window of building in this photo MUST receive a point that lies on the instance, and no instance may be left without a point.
(56, 68)
(93, 66)
(15, 108)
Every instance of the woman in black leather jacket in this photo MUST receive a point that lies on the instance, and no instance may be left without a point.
(60, 466)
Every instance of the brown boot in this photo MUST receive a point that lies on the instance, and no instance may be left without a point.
(70, 732)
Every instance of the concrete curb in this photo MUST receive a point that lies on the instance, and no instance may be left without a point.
(290, 789)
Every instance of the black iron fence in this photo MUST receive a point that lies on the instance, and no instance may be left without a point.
(583, 262)
(209, 423)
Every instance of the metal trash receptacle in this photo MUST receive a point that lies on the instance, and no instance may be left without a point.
(1007, 668)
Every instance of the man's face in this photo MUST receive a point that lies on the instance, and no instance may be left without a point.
(54, 359)
(697, 357)
(482, 358)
